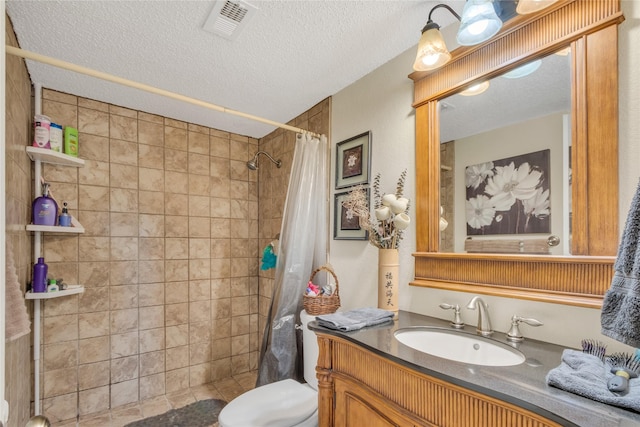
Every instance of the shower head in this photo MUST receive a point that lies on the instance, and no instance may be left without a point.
(253, 163)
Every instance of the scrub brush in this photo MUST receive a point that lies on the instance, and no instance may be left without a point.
(624, 366)
(595, 348)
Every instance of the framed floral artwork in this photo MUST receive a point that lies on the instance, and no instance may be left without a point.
(509, 196)
(353, 161)
(346, 225)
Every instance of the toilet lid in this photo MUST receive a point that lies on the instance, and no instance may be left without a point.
(281, 404)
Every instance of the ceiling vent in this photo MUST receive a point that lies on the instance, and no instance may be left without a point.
(228, 18)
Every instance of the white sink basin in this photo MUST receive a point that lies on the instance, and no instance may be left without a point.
(459, 346)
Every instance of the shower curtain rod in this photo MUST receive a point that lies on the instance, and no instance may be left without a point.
(119, 80)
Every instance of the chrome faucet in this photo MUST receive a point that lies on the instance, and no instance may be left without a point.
(484, 323)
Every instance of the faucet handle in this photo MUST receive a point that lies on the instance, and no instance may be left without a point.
(514, 334)
(457, 320)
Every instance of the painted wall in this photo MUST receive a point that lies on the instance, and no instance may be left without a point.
(381, 102)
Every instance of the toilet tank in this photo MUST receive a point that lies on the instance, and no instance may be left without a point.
(310, 350)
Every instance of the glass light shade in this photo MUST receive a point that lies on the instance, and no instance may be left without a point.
(476, 89)
(432, 51)
(523, 70)
(479, 22)
(525, 7)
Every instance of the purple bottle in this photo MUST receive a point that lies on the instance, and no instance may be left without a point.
(45, 209)
(39, 283)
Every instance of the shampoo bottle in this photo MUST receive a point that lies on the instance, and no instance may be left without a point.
(45, 209)
(39, 283)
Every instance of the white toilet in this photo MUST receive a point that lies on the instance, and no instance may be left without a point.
(285, 403)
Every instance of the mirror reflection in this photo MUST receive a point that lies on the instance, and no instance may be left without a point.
(505, 162)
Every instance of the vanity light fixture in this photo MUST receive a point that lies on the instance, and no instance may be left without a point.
(432, 50)
(479, 22)
(476, 89)
(525, 7)
(523, 70)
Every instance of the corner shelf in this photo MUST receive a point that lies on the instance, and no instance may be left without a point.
(71, 290)
(53, 157)
(76, 228)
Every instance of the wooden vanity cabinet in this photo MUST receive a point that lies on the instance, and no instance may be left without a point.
(357, 387)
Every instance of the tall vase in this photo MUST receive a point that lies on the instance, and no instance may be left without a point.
(388, 271)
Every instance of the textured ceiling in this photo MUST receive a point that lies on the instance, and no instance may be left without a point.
(290, 56)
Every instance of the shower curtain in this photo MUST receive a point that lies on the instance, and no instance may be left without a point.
(303, 247)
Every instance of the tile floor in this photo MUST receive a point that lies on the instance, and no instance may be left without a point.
(118, 417)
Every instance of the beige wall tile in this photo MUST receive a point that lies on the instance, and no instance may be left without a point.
(199, 142)
(93, 324)
(199, 290)
(152, 340)
(123, 248)
(240, 364)
(199, 206)
(59, 381)
(220, 288)
(151, 133)
(199, 227)
(94, 375)
(150, 156)
(151, 179)
(220, 187)
(177, 379)
(94, 147)
(220, 268)
(124, 321)
(124, 128)
(177, 204)
(124, 368)
(60, 356)
(199, 332)
(176, 226)
(93, 350)
(221, 348)
(198, 164)
(199, 374)
(177, 336)
(176, 292)
(175, 138)
(62, 407)
(123, 224)
(151, 294)
(95, 277)
(177, 357)
(176, 270)
(199, 311)
(240, 325)
(93, 400)
(124, 392)
(220, 369)
(123, 272)
(199, 269)
(152, 386)
(199, 185)
(219, 146)
(95, 172)
(199, 353)
(176, 160)
(220, 248)
(93, 122)
(124, 344)
(123, 176)
(151, 271)
(93, 198)
(123, 152)
(151, 248)
(123, 200)
(152, 363)
(123, 297)
(151, 225)
(58, 329)
(151, 317)
(151, 202)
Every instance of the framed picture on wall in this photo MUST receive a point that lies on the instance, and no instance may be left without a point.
(353, 161)
(346, 225)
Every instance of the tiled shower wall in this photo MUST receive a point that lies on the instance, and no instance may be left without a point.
(18, 199)
(175, 227)
(169, 259)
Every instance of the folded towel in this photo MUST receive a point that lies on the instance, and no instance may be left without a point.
(620, 318)
(355, 319)
(586, 375)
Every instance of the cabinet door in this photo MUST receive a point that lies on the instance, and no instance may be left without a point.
(357, 406)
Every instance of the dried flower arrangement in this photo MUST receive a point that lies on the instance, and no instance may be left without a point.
(390, 212)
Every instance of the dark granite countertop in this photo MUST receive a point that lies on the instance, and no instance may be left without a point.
(523, 385)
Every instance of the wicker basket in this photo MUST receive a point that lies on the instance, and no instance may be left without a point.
(322, 304)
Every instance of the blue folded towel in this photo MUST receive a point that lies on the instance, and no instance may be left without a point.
(355, 319)
(586, 375)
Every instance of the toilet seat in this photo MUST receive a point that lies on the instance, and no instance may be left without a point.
(284, 403)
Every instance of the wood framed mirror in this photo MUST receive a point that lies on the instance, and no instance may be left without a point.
(589, 28)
